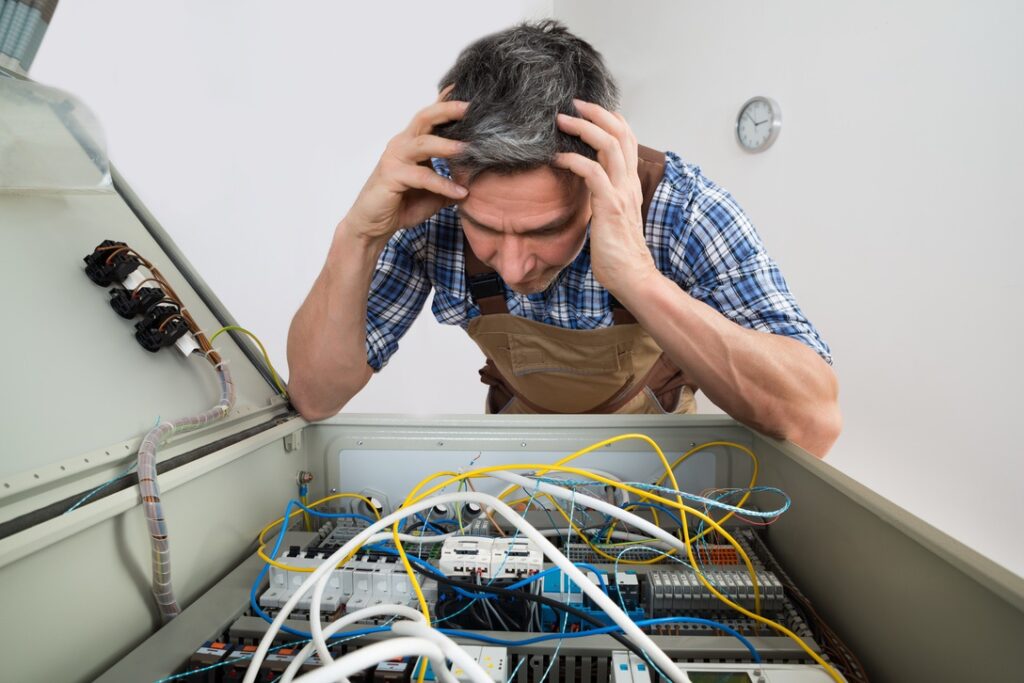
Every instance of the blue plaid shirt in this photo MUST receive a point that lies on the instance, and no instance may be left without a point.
(697, 233)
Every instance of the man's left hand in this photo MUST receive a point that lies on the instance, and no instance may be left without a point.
(618, 251)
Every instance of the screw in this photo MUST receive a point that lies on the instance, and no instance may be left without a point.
(359, 443)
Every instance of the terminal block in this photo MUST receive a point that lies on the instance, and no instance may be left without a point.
(558, 586)
(162, 326)
(493, 660)
(211, 654)
(111, 262)
(128, 304)
(671, 592)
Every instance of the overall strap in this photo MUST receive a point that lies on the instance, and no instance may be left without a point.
(486, 286)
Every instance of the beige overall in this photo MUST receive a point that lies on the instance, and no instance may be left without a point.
(533, 367)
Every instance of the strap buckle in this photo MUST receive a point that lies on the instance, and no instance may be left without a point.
(485, 285)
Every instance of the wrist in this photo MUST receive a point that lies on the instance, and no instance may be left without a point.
(637, 286)
(349, 240)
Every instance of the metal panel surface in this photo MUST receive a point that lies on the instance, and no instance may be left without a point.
(86, 600)
(80, 389)
(913, 603)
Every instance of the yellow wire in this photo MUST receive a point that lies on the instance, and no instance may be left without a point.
(266, 356)
(644, 495)
(586, 473)
(742, 610)
(261, 539)
(725, 518)
(687, 540)
(583, 451)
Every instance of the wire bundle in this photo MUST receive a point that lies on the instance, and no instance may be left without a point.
(149, 489)
(515, 607)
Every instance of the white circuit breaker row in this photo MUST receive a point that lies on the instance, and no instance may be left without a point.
(363, 581)
(490, 558)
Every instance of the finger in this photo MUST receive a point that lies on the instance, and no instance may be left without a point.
(420, 177)
(615, 124)
(630, 147)
(423, 147)
(592, 172)
(609, 150)
(435, 115)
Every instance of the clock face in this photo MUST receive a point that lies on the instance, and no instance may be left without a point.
(758, 124)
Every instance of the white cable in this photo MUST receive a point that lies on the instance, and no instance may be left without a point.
(350, 618)
(375, 653)
(367, 535)
(322, 575)
(433, 538)
(452, 650)
(627, 536)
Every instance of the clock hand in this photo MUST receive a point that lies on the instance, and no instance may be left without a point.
(758, 123)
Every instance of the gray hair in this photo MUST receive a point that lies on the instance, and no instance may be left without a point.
(516, 81)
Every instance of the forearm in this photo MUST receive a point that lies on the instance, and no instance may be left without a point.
(772, 383)
(327, 339)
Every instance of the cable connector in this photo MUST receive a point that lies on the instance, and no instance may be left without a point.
(130, 304)
(110, 262)
(162, 326)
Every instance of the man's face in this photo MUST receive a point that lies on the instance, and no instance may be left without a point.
(528, 226)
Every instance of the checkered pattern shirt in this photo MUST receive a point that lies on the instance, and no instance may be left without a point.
(697, 233)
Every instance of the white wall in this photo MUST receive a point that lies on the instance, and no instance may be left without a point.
(889, 198)
(248, 128)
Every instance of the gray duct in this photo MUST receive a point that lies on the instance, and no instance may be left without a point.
(22, 26)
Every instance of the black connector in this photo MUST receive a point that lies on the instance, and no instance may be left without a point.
(162, 326)
(130, 304)
(110, 262)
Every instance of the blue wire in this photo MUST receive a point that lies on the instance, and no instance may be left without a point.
(254, 593)
(102, 486)
(655, 506)
(427, 525)
(487, 596)
(605, 629)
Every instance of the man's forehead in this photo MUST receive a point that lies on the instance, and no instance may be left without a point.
(534, 197)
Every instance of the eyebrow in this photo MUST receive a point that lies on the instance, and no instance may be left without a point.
(557, 223)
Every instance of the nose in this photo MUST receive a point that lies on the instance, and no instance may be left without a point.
(514, 261)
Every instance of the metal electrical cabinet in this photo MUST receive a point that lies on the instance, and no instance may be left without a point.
(912, 603)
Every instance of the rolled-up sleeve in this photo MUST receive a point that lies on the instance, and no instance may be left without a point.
(719, 258)
(397, 294)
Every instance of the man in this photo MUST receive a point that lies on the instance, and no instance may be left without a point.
(596, 275)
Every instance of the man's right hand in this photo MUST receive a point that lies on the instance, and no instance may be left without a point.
(401, 192)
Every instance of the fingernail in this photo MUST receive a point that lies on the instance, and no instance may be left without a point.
(461, 191)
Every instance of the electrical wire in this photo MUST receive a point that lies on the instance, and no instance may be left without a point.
(644, 623)
(370, 655)
(318, 579)
(647, 498)
(522, 595)
(266, 357)
(348, 619)
(149, 489)
(84, 499)
(687, 547)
